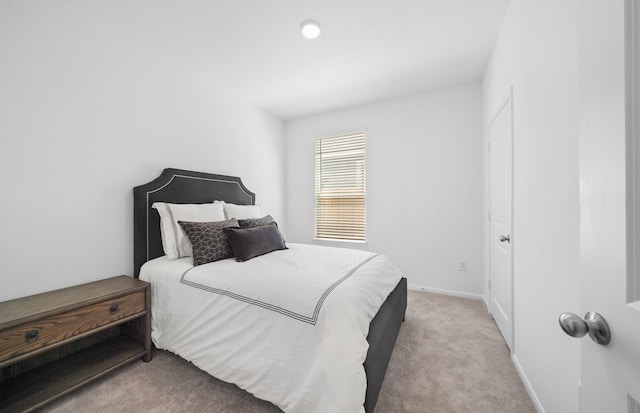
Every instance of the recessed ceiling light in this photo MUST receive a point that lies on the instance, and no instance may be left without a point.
(310, 29)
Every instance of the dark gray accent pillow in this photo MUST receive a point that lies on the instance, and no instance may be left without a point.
(256, 222)
(209, 243)
(248, 243)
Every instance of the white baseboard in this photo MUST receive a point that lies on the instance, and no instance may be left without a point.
(445, 292)
(527, 385)
(486, 303)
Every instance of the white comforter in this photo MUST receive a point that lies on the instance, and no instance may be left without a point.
(289, 327)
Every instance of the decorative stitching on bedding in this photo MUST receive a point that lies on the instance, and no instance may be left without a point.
(300, 317)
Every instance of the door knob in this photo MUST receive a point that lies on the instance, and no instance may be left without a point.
(504, 238)
(593, 323)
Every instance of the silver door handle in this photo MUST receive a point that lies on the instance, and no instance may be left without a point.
(506, 238)
(593, 323)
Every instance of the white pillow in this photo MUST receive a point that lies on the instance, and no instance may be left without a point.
(241, 211)
(174, 241)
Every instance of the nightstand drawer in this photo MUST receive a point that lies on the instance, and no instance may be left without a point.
(54, 329)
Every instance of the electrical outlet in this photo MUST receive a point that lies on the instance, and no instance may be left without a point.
(462, 265)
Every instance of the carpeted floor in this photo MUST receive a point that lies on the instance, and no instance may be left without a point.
(449, 357)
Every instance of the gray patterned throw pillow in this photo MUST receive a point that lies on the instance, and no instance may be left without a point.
(256, 222)
(209, 243)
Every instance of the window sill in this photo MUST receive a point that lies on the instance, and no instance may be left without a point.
(339, 241)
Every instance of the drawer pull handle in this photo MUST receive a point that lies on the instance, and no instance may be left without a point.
(31, 335)
(113, 309)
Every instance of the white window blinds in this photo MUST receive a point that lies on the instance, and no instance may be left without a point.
(340, 187)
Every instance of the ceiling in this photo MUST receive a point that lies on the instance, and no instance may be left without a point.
(369, 50)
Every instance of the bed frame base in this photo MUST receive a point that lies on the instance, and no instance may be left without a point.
(383, 332)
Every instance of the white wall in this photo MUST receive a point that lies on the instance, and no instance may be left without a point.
(424, 183)
(537, 53)
(86, 114)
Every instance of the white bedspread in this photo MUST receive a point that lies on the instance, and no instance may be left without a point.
(289, 327)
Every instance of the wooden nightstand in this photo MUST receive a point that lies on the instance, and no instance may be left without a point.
(53, 343)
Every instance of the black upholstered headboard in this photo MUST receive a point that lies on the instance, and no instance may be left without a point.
(177, 186)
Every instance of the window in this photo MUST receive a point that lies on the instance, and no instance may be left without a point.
(340, 187)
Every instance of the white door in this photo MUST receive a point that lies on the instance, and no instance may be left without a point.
(500, 211)
(610, 375)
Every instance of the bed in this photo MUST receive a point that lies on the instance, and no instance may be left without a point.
(177, 186)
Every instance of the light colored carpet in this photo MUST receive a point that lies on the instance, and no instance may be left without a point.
(449, 357)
